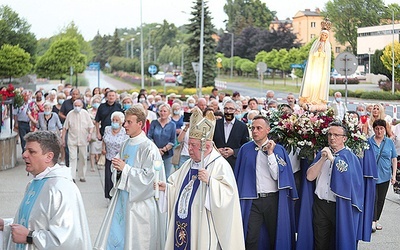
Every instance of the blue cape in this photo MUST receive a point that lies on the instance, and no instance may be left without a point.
(370, 171)
(245, 174)
(348, 186)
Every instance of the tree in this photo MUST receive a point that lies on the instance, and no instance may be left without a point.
(116, 49)
(377, 66)
(193, 52)
(245, 13)
(253, 40)
(72, 31)
(347, 15)
(387, 59)
(248, 67)
(14, 61)
(16, 31)
(63, 54)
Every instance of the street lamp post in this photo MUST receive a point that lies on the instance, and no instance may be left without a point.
(126, 45)
(150, 29)
(232, 44)
(132, 39)
(182, 61)
(369, 60)
(392, 51)
(141, 46)
(201, 58)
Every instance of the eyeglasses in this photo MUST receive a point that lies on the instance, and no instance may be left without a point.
(229, 109)
(334, 135)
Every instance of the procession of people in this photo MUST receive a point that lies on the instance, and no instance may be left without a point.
(337, 199)
(204, 172)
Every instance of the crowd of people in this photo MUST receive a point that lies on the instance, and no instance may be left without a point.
(226, 166)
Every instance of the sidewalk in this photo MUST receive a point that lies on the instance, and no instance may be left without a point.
(13, 183)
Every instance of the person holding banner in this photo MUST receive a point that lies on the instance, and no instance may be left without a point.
(201, 197)
(133, 220)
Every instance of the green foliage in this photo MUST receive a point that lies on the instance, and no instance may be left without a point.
(245, 13)
(347, 15)
(125, 64)
(387, 58)
(72, 31)
(342, 81)
(248, 67)
(377, 66)
(16, 31)
(63, 54)
(193, 52)
(372, 95)
(14, 61)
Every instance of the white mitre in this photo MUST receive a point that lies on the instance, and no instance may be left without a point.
(198, 126)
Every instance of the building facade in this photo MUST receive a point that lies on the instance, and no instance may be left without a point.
(307, 26)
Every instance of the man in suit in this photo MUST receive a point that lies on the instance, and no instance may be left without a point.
(230, 133)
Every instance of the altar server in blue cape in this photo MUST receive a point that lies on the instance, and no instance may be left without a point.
(133, 219)
(266, 190)
(51, 214)
(370, 172)
(336, 211)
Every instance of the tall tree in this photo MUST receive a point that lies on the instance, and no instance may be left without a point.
(15, 30)
(72, 31)
(63, 54)
(347, 15)
(193, 51)
(14, 61)
(116, 49)
(377, 66)
(387, 60)
(253, 40)
(245, 13)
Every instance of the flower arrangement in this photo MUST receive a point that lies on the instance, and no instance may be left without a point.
(305, 132)
(302, 132)
(356, 140)
(11, 92)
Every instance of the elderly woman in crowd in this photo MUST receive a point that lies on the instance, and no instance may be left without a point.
(52, 97)
(386, 158)
(60, 100)
(163, 133)
(177, 117)
(127, 102)
(48, 120)
(191, 103)
(94, 145)
(113, 138)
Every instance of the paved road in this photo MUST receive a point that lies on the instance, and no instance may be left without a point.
(105, 81)
(13, 182)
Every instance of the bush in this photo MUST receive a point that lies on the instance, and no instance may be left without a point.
(387, 85)
(342, 81)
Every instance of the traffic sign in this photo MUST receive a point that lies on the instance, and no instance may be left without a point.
(346, 63)
(195, 66)
(94, 65)
(261, 67)
(296, 66)
(152, 69)
(219, 59)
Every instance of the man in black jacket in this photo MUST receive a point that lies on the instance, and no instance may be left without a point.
(103, 115)
(230, 133)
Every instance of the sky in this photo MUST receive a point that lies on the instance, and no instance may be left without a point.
(48, 17)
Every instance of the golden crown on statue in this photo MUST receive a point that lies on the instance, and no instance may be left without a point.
(326, 24)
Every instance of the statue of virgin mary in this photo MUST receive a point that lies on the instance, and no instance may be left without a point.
(314, 90)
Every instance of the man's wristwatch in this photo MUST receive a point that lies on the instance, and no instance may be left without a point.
(29, 238)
